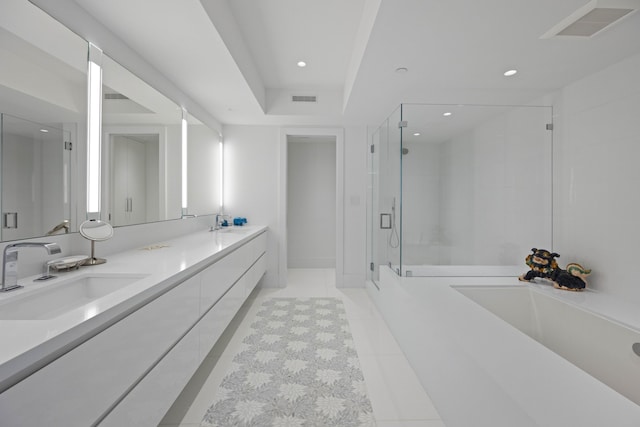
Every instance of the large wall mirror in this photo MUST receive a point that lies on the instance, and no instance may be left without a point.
(141, 140)
(142, 151)
(43, 128)
(42, 117)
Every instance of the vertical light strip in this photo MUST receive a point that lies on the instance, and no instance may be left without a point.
(221, 178)
(184, 161)
(94, 131)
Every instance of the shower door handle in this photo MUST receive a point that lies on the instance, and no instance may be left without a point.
(10, 220)
(385, 221)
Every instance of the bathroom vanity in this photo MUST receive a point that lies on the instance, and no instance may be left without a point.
(123, 357)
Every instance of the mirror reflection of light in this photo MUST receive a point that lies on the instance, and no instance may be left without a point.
(184, 160)
(221, 177)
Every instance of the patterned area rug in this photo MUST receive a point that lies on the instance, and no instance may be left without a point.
(297, 367)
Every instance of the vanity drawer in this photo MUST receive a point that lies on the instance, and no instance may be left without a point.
(218, 318)
(148, 402)
(79, 387)
(218, 278)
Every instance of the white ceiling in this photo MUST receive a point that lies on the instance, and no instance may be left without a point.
(237, 58)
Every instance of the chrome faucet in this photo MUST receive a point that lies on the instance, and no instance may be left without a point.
(10, 262)
(218, 225)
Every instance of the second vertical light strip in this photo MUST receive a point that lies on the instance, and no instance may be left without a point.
(184, 161)
(221, 178)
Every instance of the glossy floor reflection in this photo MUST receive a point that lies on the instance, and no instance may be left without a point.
(397, 398)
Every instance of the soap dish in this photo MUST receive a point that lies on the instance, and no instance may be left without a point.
(67, 263)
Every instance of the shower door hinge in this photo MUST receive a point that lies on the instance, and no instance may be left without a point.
(68, 145)
(372, 267)
(549, 126)
(373, 148)
(403, 124)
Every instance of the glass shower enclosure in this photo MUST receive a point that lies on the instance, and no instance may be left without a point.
(459, 190)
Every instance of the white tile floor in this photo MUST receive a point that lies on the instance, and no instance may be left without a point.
(397, 398)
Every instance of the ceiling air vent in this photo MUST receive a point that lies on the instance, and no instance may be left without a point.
(304, 98)
(592, 18)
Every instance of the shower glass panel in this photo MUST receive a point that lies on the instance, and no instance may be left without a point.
(385, 196)
(472, 186)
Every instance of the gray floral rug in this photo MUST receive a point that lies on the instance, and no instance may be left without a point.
(297, 367)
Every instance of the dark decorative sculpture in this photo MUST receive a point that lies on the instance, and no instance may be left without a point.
(543, 264)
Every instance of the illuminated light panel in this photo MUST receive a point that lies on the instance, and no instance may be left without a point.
(94, 129)
(184, 161)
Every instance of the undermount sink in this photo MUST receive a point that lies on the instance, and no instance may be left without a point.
(59, 298)
(234, 230)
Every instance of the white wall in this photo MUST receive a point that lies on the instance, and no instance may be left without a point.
(354, 242)
(252, 171)
(311, 203)
(597, 202)
(203, 179)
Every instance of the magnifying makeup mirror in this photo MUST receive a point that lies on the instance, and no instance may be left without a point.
(95, 230)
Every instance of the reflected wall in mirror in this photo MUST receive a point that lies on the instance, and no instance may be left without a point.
(141, 150)
(204, 159)
(35, 176)
(43, 113)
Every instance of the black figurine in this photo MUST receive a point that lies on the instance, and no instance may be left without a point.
(544, 265)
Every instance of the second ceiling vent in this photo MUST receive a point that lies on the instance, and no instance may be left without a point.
(304, 98)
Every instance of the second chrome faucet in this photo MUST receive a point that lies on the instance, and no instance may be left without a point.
(10, 262)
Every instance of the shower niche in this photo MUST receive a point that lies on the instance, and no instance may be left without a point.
(459, 190)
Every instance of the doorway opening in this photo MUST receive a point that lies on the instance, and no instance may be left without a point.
(311, 201)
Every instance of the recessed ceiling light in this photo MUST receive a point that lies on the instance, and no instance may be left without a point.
(416, 134)
(447, 114)
(401, 70)
(44, 131)
(510, 73)
(302, 64)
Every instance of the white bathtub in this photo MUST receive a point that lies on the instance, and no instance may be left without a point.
(596, 344)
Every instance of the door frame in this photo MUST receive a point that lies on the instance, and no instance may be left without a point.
(338, 133)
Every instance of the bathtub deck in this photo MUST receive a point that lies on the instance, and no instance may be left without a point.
(481, 371)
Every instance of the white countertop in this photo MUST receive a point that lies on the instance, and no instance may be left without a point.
(27, 344)
(481, 371)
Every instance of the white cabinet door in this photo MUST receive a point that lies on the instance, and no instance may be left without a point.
(84, 384)
(129, 181)
(149, 401)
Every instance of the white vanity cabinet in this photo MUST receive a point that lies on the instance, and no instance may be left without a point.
(130, 373)
(224, 286)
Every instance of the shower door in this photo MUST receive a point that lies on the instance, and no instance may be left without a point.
(384, 197)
